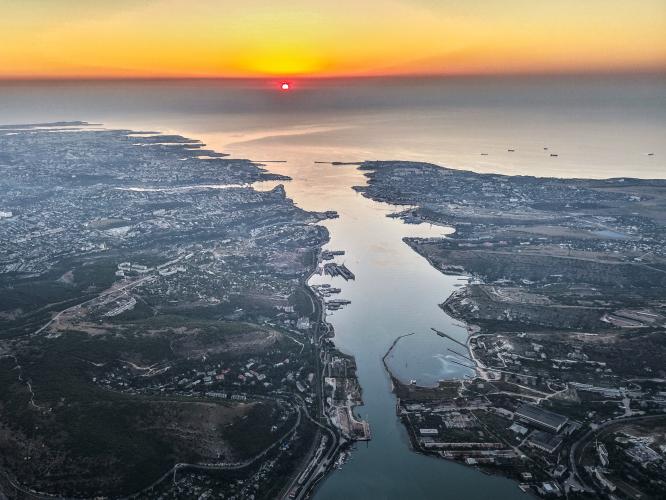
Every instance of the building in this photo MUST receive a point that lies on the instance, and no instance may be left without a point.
(520, 378)
(559, 471)
(544, 419)
(603, 454)
(518, 429)
(545, 441)
(549, 489)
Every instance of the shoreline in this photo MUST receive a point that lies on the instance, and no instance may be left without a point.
(305, 488)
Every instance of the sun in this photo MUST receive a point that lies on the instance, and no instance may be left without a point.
(285, 86)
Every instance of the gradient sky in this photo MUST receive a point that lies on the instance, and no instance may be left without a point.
(150, 38)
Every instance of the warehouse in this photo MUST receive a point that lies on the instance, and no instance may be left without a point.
(539, 417)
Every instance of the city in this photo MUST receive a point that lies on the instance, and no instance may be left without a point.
(138, 300)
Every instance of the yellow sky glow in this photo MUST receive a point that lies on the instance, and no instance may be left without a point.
(211, 38)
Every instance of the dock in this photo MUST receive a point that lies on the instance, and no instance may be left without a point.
(460, 354)
(442, 334)
(462, 364)
(333, 269)
(330, 254)
(334, 305)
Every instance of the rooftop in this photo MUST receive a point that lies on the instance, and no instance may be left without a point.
(545, 417)
(545, 440)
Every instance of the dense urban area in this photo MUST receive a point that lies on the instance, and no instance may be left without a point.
(566, 312)
(157, 335)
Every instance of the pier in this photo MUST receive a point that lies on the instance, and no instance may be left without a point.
(442, 334)
(333, 270)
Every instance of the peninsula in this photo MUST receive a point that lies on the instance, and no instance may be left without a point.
(158, 338)
(566, 314)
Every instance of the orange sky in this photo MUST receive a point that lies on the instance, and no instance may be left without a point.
(221, 38)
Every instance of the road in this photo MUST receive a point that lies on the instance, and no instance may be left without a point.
(226, 465)
(586, 437)
(109, 291)
(318, 471)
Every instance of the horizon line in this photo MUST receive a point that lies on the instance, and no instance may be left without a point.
(489, 75)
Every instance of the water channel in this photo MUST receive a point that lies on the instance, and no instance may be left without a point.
(395, 292)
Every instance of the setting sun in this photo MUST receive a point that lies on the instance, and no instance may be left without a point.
(174, 38)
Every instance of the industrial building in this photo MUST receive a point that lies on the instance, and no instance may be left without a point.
(545, 441)
(544, 419)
